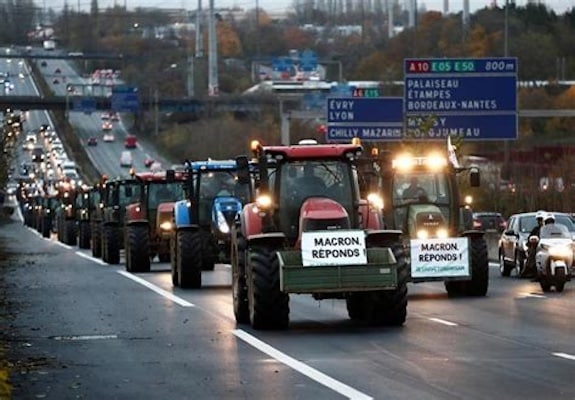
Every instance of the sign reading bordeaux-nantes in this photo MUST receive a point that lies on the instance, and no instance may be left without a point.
(467, 98)
(367, 118)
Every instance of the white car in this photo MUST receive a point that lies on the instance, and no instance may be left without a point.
(126, 159)
(108, 137)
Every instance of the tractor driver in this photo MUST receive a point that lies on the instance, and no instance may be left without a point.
(414, 191)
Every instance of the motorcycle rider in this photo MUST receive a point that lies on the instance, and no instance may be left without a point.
(529, 265)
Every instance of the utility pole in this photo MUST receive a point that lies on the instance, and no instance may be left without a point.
(213, 86)
(506, 166)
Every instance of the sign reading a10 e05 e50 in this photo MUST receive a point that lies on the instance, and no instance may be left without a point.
(467, 98)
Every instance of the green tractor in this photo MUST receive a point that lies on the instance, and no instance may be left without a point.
(116, 195)
(422, 199)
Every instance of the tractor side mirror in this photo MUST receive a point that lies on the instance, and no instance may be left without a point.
(474, 180)
(128, 191)
(170, 176)
(243, 167)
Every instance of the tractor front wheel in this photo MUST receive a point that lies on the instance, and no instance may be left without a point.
(268, 305)
(137, 249)
(189, 259)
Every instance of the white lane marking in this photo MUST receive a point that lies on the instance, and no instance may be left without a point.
(87, 257)
(86, 337)
(565, 355)
(533, 295)
(302, 368)
(61, 244)
(442, 321)
(160, 291)
(19, 213)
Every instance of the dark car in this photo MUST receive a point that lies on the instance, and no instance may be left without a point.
(513, 241)
(489, 221)
(92, 141)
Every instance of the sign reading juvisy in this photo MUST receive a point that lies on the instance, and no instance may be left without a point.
(370, 119)
(339, 247)
(466, 98)
(435, 258)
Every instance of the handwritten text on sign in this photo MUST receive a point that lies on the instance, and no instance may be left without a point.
(435, 258)
(342, 247)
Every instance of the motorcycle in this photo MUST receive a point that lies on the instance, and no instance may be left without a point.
(553, 257)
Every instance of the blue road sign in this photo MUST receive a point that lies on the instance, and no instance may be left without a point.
(341, 90)
(469, 98)
(282, 64)
(125, 99)
(84, 104)
(308, 60)
(370, 119)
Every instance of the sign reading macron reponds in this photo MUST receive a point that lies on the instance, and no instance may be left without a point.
(341, 247)
(436, 258)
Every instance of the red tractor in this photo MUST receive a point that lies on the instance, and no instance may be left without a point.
(148, 221)
(309, 231)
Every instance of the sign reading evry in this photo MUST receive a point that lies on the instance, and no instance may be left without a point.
(467, 98)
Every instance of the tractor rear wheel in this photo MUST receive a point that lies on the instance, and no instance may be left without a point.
(389, 307)
(269, 307)
(112, 244)
(173, 262)
(479, 268)
(137, 249)
(239, 287)
(189, 259)
(209, 251)
(96, 241)
(70, 232)
(84, 235)
(46, 226)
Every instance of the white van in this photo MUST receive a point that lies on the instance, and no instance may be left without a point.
(126, 159)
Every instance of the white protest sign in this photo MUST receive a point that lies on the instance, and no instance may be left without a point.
(437, 258)
(337, 247)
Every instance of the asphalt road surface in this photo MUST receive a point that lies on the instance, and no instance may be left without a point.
(87, 330)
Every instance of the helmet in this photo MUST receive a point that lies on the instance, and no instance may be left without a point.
(540, 214)
(549, 217)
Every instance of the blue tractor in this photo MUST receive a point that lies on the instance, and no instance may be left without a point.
(203, 221)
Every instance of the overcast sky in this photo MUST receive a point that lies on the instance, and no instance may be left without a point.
(560, 6)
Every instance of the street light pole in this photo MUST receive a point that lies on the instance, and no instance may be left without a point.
(506, 54)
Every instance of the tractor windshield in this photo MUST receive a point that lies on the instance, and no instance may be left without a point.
(163, 192)
(126, 197)
(219, 183)
(414, 191)
(303, 179)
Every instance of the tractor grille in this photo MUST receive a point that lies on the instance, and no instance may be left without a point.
(325, 224)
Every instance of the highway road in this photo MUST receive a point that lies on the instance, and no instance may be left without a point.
(85, 329)
(105, 156)
(106, 333)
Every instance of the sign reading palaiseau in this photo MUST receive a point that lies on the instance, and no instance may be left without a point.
(341, 247)
(440, 258)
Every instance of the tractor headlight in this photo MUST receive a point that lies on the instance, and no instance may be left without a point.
(422, 234)
(166, 226)
(442, 233)
(375, 200)
(222, 223)
(264, 201)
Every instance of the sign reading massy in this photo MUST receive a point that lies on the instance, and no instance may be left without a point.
(341, 247)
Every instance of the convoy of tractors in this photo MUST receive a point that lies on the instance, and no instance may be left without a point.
(322, 219)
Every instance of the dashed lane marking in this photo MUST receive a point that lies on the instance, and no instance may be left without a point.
(531, 295)
(443, 322)
(302, 368)
(154, 288)
(565, 356)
